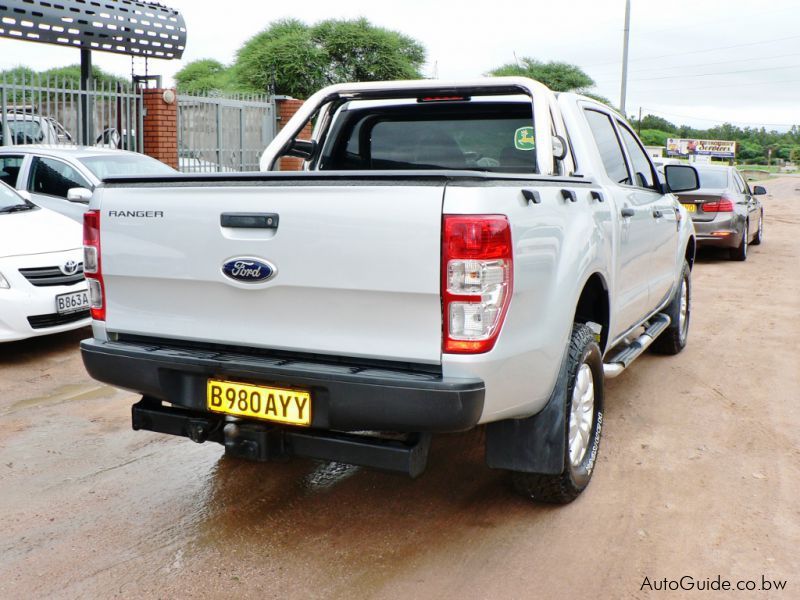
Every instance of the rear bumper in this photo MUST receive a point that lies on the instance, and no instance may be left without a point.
(730, 225)
(345, 397)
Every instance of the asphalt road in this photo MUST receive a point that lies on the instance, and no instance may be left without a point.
(698, 476)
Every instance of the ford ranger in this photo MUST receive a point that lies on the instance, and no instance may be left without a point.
(454, 255)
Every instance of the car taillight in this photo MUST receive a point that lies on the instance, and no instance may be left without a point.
(724, 204)
(92, 266)
(477, 274)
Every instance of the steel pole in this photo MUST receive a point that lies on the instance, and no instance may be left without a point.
(624, 90)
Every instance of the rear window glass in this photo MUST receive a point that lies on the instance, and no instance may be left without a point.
(464, 136)
(713, 179)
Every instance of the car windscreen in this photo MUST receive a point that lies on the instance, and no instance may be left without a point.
(9, 198)
(484, 136)
(125, 165)
(713, 179)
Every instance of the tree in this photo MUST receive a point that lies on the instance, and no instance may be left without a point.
(558, 76)
(202, 76)
(66, 76)
(300, 59)
(654, 137)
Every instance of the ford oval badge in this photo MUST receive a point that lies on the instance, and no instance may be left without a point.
(248, 270)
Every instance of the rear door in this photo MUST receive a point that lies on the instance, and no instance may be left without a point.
(356, 266)
(635, 218)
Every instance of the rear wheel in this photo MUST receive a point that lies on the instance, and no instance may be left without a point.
(760, 233)
(673, 339)
(583, 404)
(740, 252)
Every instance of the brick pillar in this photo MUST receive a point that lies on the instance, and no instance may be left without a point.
(286, 108)
(161, 127)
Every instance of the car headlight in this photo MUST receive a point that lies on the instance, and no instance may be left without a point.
(3, 283)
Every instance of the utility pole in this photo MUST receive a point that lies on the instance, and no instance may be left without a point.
(639, 123)
(624, 89)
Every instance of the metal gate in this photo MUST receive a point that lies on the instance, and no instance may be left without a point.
(222, 134)
(51, 111)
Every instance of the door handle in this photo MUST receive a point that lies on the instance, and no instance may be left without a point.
(627, 212)
(657, 213)
(249, 220)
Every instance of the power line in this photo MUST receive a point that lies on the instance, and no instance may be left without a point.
(719, 62)
(660, 113)
(699, 50)
(759, 70)
(724, 85)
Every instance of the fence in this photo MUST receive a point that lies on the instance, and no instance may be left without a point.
(56, 111)
(223, 133)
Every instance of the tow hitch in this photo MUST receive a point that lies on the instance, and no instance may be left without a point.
(266, 442)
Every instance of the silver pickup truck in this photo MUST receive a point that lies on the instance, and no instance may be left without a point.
(456, 254)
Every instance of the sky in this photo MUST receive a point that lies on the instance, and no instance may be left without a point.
(698, 62)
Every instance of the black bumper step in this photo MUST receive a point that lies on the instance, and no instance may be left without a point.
(267, 442)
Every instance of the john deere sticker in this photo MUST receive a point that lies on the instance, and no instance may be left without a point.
(523, 139)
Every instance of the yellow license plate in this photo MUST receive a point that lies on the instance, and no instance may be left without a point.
(690, 207)
(258, 401)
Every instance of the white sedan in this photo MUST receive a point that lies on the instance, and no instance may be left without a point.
(46, 174)
(42, 289)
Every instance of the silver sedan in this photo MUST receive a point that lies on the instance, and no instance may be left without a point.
(725, 211)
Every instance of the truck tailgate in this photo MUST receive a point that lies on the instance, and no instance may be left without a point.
(357, 267)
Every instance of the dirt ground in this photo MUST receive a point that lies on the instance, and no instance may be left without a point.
(698, 476)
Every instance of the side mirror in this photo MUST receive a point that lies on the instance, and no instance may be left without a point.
(681, 178)
(559, 147)
(305, 149)
(759, 190)
(79, 195)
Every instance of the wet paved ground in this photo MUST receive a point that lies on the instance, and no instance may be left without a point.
(698, 476)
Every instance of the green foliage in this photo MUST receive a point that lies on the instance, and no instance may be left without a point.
(558, 76)
(202, 76)
(300, 59)
(63, 76)
(654, 137)
(753, 143)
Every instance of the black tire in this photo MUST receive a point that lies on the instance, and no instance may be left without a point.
(760, 233)
(567, 485)
(673, 339)
(740, 252)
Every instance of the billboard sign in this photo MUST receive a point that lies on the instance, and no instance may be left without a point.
(688, 147)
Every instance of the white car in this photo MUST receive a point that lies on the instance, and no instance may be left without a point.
(48, 173)
(42, 288)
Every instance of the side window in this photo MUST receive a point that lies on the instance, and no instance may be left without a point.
(608, 145)
(741, 184)
(9, 169)
(54, 178)
(642, 167)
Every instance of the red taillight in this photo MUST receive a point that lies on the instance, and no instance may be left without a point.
(724, 204)
(477, 277)
(92, 263)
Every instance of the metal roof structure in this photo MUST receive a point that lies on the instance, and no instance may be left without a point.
(126, 27)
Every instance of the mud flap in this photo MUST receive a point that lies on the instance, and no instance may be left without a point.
(536, 444)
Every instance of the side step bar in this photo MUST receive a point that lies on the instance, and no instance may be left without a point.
(267, 442)
(622, 359)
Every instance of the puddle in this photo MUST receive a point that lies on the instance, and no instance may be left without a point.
(66, 393)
